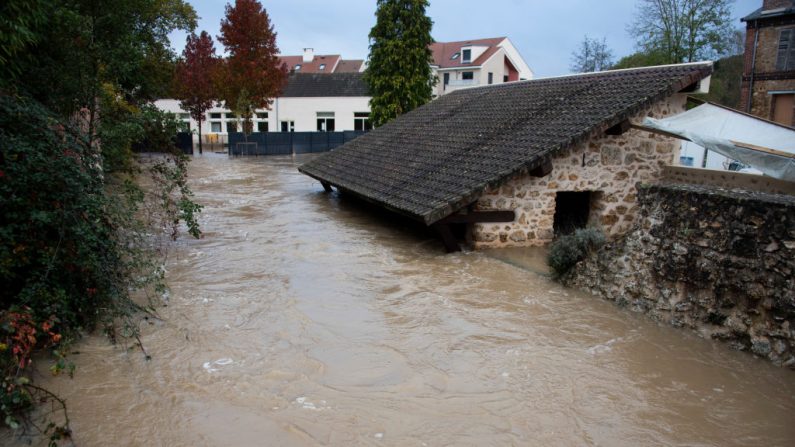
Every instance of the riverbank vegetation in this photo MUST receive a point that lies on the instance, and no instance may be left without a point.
(569, 249)
(82, 244)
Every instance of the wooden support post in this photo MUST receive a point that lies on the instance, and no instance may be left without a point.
(450, 243)
(543, 170)
(326, 186)
(619, 128)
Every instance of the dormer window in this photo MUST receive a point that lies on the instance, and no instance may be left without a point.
(455, 56)
(297, 67)
(467, 56)
(322, 67)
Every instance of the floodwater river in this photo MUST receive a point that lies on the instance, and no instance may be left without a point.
(304, 318)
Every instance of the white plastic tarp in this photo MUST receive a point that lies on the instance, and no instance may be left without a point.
(726, 132)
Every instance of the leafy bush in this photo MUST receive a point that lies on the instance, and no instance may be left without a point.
(570, 249)
(77, 239)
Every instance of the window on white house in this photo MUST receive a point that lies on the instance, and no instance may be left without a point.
(468, 75)
(262, 115)
(215, 116)
(297, 67)
(361, 121)
(322, 67)
(262, 126)
(231, 126)
(325, 121)
(785, 59)
(288, 126)
(215, 126)
(491, 78)
(231, 116)
(455, 56)
(467, 56)
(184, 116)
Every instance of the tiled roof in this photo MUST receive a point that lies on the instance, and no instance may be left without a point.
(443, 51)
(759, 14)
(349, 66)
(324, 85)
(440, 157)
(329, 61)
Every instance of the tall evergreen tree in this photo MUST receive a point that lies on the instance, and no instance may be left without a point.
(398, 72)
(252, 75)
(194, 78)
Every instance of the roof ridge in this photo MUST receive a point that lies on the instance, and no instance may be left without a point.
(592, 73)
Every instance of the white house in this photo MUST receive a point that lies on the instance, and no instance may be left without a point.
(326, 93)
(310, 102)
(470, 63)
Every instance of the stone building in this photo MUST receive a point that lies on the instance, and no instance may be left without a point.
(515, 163)
(768, 87)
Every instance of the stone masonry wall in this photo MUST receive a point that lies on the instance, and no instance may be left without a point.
(720, 262)
(608, 165)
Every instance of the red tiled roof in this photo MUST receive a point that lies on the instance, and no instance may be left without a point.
(351, 66)
(329, 60)
(443, 51)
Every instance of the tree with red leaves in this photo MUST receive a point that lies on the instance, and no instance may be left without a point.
(194, 77)
(252, 75)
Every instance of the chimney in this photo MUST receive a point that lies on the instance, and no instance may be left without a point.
(309, 55)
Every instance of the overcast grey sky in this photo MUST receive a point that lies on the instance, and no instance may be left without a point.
(544, 31)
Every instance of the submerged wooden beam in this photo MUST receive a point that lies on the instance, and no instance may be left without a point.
(449, 241)
(326, 186)
(480, 217)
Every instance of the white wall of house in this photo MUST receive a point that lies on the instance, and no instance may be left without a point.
(301, 111)
(525, 73)
(480, 74)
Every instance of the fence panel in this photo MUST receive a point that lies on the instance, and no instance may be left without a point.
(286, 143)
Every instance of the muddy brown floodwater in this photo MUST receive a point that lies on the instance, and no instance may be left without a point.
(303, 318)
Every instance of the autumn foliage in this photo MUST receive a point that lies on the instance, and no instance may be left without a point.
(251, 76)
(195, 74)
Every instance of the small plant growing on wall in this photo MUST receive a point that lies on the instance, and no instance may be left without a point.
(570, 249)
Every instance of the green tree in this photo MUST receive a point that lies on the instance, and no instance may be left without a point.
(640, 59)
(593, 55)
(251, 76)
(21, 24)
(683, 30)
(398, 73)
(77, 235)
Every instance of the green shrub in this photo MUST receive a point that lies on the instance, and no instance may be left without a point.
(77, 237)
(570, 249)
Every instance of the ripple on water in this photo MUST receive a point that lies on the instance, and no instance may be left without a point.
(305, 318)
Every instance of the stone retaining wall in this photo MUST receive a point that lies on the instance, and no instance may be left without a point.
(720, 262)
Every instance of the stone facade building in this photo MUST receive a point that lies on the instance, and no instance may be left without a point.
(593, 183)
(768, 88)
(513, 164)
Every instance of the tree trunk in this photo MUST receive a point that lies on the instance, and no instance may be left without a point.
(200, 137)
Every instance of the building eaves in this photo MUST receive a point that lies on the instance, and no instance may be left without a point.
(761, 14)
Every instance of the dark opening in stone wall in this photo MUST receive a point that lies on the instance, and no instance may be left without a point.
(572, 209)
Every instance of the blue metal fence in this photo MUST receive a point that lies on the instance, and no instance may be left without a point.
(286, 143)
